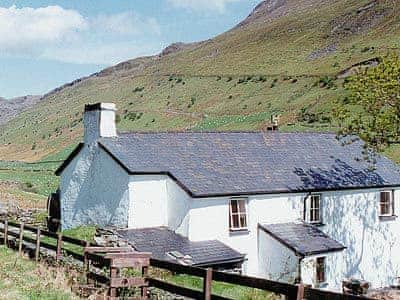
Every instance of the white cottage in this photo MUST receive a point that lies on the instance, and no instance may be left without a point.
(283, 206)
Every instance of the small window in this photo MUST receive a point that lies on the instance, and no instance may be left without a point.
(386, 205)
(238, 214)
(314, 212)
(321, 270)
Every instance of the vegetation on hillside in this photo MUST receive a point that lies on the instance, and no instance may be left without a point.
(375, 93)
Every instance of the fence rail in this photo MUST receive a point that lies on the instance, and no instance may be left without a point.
(42, 239)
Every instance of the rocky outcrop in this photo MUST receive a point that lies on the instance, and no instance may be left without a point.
(11, 108)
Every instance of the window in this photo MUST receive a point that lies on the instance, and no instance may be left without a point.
(314, 212)
(238, 214)
(386, 205)
(320, 269)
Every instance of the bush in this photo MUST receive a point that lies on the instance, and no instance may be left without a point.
(29, 187)
(138, 89)
(326, 82)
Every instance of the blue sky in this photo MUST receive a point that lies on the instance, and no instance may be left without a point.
(44, 44)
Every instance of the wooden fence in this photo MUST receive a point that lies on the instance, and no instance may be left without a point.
(57, 243)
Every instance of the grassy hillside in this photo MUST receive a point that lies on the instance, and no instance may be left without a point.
(21, 278)
(283, 60)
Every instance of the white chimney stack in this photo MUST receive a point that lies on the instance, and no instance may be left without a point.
(99, 121)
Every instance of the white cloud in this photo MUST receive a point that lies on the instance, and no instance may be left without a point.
(27, 29)
(65, 35)
(126, 23)
(202, 5)
(102, 54)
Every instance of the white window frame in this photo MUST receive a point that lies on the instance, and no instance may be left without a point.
(238, 214)
(310, 208)
(391, 203)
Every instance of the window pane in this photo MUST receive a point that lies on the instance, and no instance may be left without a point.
(243, 221)
(385, 209)
(235, 220)
(242, 206)
(234, 206)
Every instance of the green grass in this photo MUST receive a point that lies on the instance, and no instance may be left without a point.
(85, 233)
(219, 288)
(82, 232)
(21, 279)
(41, 183)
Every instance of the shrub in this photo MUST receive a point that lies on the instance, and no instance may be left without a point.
(29, 187)
(326, 82)
(138, 89)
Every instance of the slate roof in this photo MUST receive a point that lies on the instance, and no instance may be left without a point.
(237, 163)
(160, 240)
(303, 239)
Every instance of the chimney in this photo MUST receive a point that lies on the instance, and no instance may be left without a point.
(99, 121)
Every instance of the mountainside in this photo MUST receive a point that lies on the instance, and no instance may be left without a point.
(9, 109)
(284, 58)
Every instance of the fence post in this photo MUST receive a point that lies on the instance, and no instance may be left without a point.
(59, 246)
(113, 290)
(21, 237)
(145, 271)
(300, 292)
(6, 232)
(207, 282)
(37, 252)
(86, 263)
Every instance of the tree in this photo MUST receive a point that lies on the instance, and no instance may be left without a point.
(371, 109)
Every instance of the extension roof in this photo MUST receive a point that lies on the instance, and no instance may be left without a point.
(303, 239)
(208, 164)
(160, 241)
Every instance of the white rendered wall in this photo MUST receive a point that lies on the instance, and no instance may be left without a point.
(276, 262)
(148, 201)
(178, 206)
(373, 245)
(94, 190)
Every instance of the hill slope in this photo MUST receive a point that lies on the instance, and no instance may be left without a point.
(283, 59)
(9, 109)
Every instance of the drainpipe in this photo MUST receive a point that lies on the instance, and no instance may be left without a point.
(305, 206)
(298, 279)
